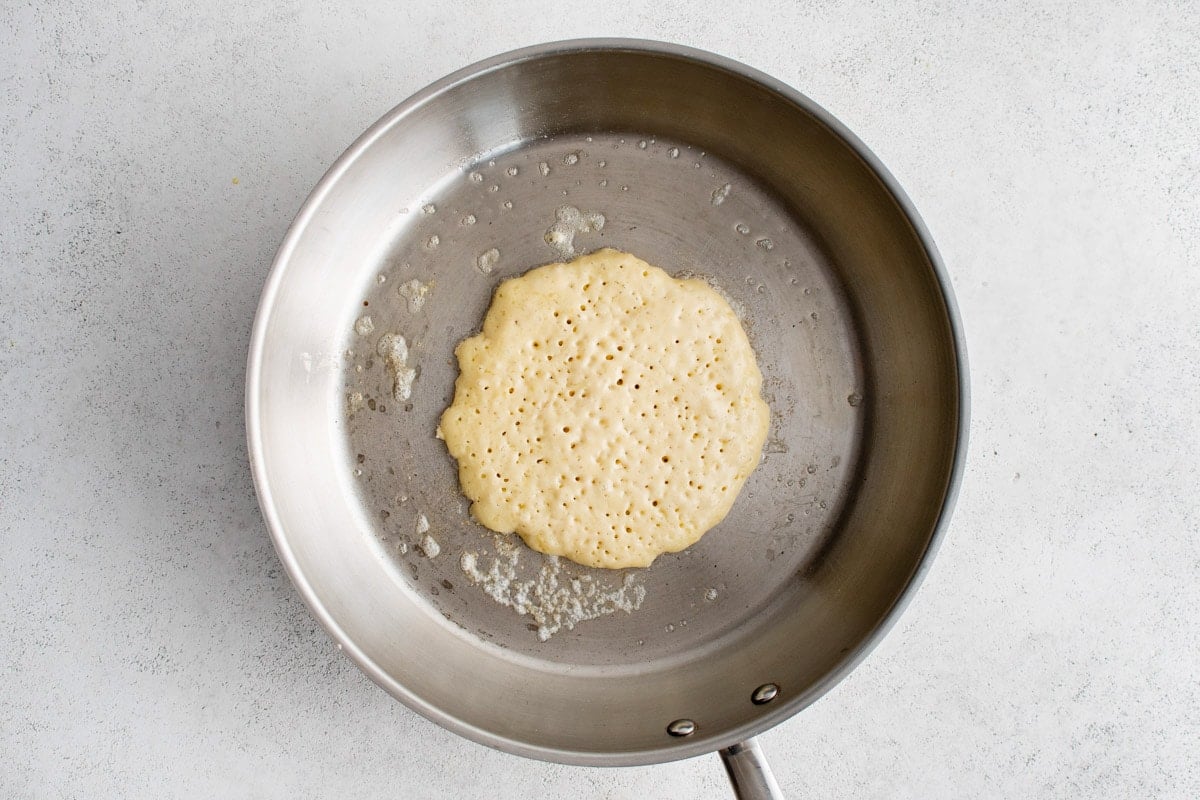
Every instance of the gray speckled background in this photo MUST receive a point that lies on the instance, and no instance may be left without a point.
(149, 642)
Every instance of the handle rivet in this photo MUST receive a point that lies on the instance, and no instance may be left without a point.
(682, 727)
(765, 694)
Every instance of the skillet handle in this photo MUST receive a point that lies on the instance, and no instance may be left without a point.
(749, 772)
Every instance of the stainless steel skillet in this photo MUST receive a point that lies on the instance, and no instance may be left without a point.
(697, 164)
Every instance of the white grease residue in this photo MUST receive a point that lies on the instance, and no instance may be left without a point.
(363, 326)
(569, 221)
(354, 402)
(414, 293)
(429, 208)
(487, 260)
(422, 524)
(433, 241)
(719, 195)
(710, 595)
(430, 547)
(512, 171)
(571, 159)
(554, 601)
(543, 168)
(394, 350)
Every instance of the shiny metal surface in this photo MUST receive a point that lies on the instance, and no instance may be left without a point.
(682, 727)
(764, 694)
(749, 772)
(843, 297)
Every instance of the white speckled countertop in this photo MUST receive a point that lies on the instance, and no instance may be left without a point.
(151, 157)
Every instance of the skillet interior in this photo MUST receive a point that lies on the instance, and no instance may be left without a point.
(845, 306)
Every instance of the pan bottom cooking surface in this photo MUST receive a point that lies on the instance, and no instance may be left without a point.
(680, 208)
